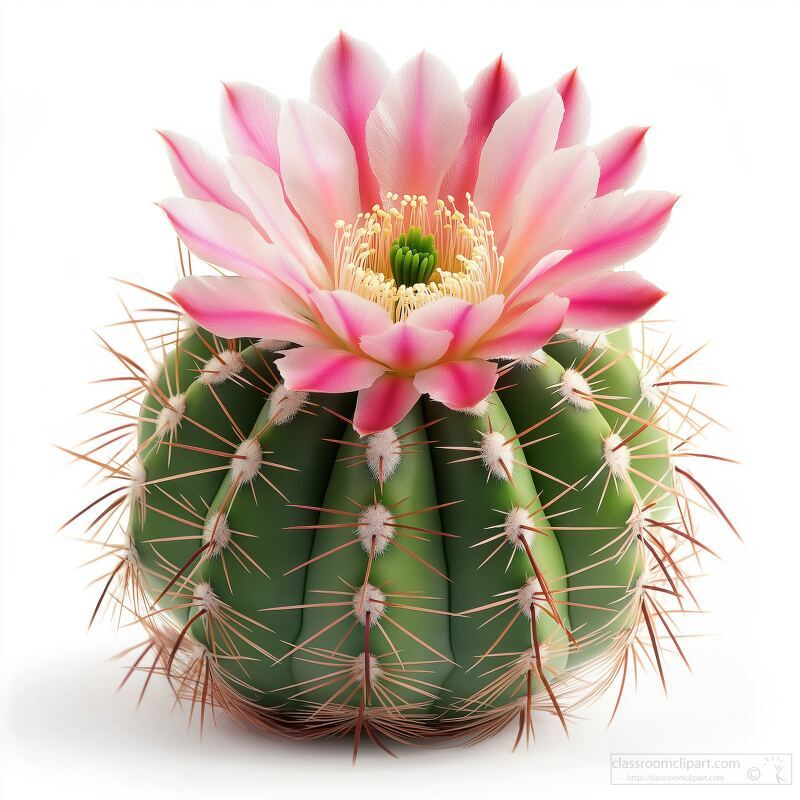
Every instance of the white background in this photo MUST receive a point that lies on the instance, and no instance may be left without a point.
(83, 86)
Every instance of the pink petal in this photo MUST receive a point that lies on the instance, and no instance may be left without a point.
(610, 300)
(417, 127)
(527, 333)
(526, 293)
(558, 188)
(260, 187)
(318, 167)
(349, 316)
(287, 271)
(323, 369)
(523, 135)
(577, 110)
(250, 122)
(234, 307)
(458, 384)
(621, 158)
(347, 81)
(228, 240)
(494, 89)
(199, 174)
(610, 230)
(407, 348)
(384, 404)
(219, 236)
(465, 321)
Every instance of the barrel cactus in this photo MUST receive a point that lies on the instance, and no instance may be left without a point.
(383, 481)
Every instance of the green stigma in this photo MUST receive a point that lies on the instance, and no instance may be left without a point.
(413, 257)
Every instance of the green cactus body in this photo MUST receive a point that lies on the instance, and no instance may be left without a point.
(438, 574)
(593, 518)
(628, 405)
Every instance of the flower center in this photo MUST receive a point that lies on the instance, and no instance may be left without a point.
(408, 253)
(413, 257)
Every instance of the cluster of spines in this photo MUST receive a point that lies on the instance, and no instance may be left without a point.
(662, 546)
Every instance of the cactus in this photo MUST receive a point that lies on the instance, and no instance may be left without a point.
(443, 578)
(382, 482)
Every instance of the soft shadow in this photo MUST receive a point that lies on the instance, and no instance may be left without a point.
(74, 707)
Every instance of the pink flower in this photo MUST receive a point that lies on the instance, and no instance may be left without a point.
(405, 234)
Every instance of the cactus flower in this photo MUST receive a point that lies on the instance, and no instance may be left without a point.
(402, 234)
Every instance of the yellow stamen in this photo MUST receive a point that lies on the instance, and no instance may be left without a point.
(469, 265)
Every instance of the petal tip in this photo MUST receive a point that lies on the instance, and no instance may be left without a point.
(168, 137)
(567, 79)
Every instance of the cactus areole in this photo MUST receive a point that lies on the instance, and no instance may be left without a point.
(383, 481)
